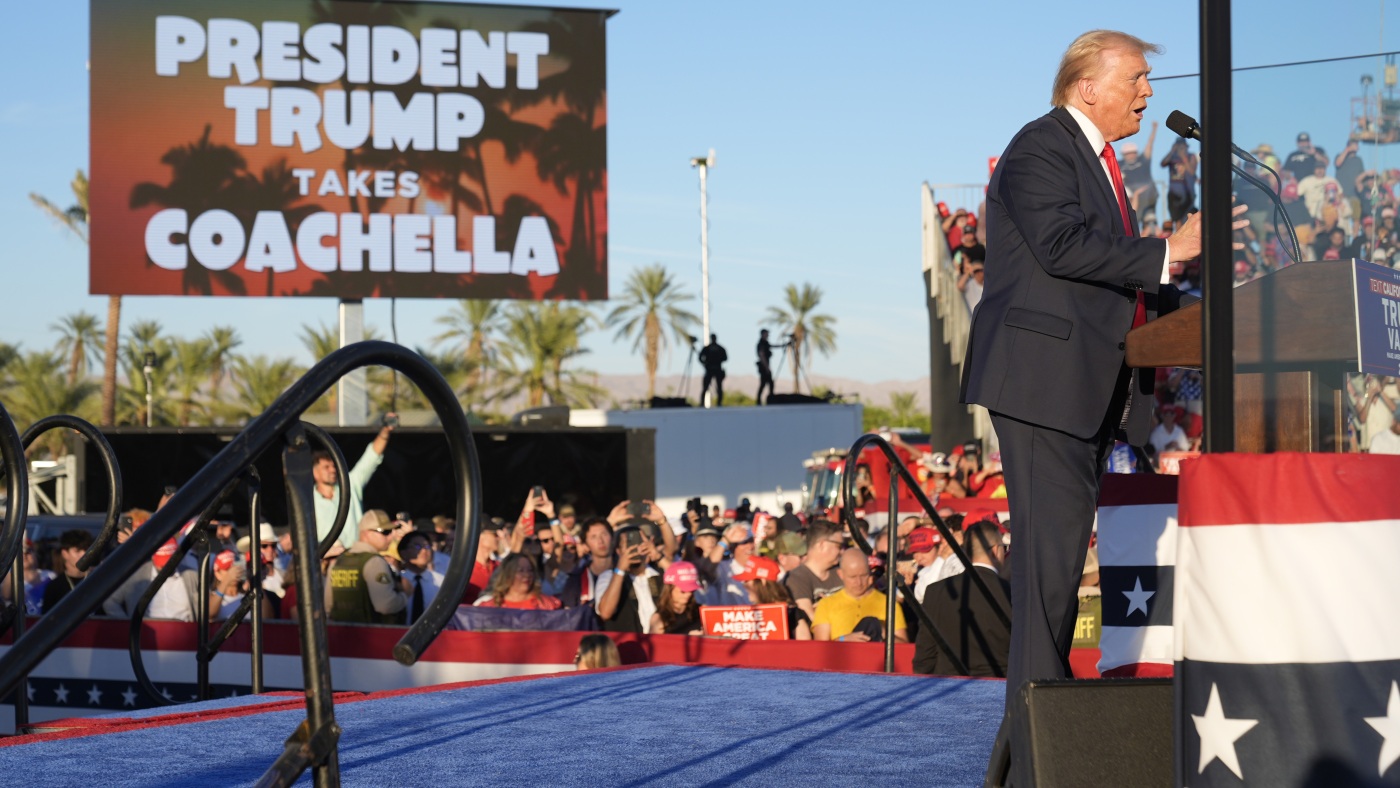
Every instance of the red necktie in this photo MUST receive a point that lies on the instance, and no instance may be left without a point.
(1115, 175)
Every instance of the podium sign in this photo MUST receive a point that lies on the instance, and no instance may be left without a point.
(1378, 317)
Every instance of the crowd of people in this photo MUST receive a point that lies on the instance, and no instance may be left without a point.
(633, 569)
(1340, 209)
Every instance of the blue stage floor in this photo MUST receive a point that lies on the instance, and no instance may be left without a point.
(652, 725)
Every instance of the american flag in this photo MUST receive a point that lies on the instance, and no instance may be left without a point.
(1287, 620)
(1137, 551)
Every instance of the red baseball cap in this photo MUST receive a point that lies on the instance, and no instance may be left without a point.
(163, 554)
(922, 540)
(759, 568)
(978, 515)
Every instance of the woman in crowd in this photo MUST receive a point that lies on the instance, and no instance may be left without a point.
(677, 612)
(597, 651)
(764, 589)
(229, 577)
(517, 586)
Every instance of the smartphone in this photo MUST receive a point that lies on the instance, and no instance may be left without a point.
(630, 536)
(389, 420)
(943, 209)
(638, 509)
(537, 491)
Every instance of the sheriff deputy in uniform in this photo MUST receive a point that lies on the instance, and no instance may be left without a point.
(363, 589)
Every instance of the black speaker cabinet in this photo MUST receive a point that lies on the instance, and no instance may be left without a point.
(1097, 731)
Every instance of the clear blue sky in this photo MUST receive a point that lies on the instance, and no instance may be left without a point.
(826, 118)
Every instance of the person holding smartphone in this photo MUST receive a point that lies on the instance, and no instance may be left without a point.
(536, 501)
(627, 597)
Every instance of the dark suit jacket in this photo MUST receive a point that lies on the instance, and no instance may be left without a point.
(966, 619)
(1062, 276)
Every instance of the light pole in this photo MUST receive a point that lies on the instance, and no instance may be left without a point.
(704, 163)
(148, 368)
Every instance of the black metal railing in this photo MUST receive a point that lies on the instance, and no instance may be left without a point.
(15, 615)
(314, 743)
(893, 582)
(196, 540)
(16, 472)
(110, 468)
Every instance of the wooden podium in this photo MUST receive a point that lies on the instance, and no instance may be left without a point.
(1297, 332)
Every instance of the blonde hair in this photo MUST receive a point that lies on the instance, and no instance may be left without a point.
(1084, 59)
(506, 574)
(597, 651)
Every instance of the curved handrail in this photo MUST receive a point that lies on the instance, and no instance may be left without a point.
(342, 472)
(16, 472)
(196, 535)
(848, 515)
(109, 464)
(251, 602)
(11, 540)
(280, 424)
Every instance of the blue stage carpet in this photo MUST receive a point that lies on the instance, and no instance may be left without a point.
(652, 725)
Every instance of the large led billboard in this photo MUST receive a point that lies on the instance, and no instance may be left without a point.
(347, 149)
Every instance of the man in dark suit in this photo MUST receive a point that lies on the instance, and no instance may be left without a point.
(1066, 277)
(964, 616)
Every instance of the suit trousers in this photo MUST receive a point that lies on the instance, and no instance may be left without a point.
(1052, 486)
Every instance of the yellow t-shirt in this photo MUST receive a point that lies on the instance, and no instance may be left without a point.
(843, 613)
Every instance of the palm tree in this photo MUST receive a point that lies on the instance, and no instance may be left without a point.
(259, 381)
(192, 367)
(75, 219)
(78, 340)
(649, 309)
(321, 341)
(573, 150)
(473, 325)
(540, 337)
(796, 317)
(276, 190)
(8, 353)
(145, 337)
(904, 409)
(222, 341)
(40, 388)
(203, 176)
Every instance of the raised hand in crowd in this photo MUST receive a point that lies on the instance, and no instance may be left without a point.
(537, 500)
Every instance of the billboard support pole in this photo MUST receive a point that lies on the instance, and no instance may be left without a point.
(704, 163)
(352, 393)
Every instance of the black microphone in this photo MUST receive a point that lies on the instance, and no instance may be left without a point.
(1187, 127)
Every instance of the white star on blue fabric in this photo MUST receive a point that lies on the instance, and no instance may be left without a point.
(94, 696)
(1219, 733)
(61, 694)
(1389, 729)
(1137, 598)
(129, 697)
